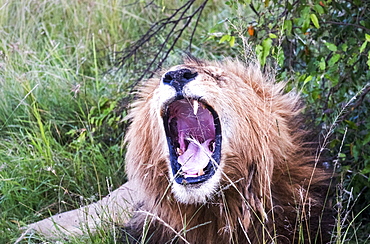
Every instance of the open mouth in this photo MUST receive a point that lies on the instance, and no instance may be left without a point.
(193, 133)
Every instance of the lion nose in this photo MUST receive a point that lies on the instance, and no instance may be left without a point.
(179, 78)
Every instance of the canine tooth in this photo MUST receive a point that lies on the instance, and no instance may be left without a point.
(179, 151)
(200, 172)
(212, 146)
(195, 107)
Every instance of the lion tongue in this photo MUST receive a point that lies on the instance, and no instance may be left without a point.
(195, 158)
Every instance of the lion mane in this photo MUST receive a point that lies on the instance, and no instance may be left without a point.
(217, 150)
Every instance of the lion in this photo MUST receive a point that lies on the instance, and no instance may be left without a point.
(215, 154)
(219, 153)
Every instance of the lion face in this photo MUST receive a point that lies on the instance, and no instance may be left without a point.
(199, 109)
(193, 133)
(196, 114)
(205, 125)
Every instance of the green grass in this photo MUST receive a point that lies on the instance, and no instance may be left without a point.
(61, 127)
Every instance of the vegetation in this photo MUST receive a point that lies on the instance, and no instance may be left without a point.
(65, 80)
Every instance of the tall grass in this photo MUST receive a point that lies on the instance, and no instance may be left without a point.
(61, 123)
(60, 126)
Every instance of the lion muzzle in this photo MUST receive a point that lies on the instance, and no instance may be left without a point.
(193, 131)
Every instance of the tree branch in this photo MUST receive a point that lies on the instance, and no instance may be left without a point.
(348, 24)
(150, 47)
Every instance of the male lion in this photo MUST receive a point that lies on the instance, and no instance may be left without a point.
(220, 159)
(214, 155)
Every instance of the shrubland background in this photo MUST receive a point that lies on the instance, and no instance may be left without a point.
(67, 69)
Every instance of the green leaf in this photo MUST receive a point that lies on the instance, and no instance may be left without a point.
(355, 152)
(315, 21)
(288, 27)
(331, 46)
(305, 25)
(259, 49)
(363, 46)
(318, 9)
(224, 38)
(333, 60)
(232, 41)
(273, 36)
(304, 19)
(322, 64)
(342, 155)
(366, 170)
(367, 37)
(280, 58)
(351, 124)
(366, 139)
(266, 44)
(308, 78)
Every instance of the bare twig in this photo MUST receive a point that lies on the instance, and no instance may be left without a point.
(171, 29)
(347, 24)
(359, 101)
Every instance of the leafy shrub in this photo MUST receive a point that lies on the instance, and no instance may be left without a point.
(323, 47)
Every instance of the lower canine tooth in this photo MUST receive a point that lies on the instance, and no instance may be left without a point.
(200, 172)
(179, 151)
(195, 107)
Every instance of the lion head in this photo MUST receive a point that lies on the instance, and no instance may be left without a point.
(219, 136)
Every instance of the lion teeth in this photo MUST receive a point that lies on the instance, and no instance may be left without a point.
(212, 146)
(200, 172)
(179, 151)
(195, 107)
